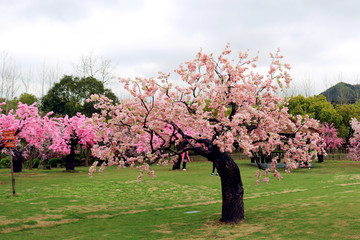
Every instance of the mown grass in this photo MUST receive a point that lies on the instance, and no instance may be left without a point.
(318, 203)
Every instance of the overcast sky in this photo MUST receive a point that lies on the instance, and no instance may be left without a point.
(320, 39)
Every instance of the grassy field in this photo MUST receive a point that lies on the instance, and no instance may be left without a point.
(318, 203)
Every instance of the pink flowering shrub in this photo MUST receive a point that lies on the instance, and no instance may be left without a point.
(354, 149)
(49, 136)
(329, 135)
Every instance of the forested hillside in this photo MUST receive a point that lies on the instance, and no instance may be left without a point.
(342, 93)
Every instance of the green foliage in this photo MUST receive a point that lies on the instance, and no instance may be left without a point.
(347, 112)
(10, 104)
(319, 108)
(55, 161)
(78, 159)
(27, 98)
(316, 107)
(5, 162)
(35, 163)
(70, 94)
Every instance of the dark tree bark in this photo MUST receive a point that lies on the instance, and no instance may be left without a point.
(87, 156)
(177, 163)
(320, 157)
(70, 158)
(17, 165)
(231, 186)
(17, 160)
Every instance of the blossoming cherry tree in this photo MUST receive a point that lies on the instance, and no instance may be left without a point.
(214, 106)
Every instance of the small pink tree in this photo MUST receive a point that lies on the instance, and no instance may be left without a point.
(224, 104)
(73, 131)
(48, 135)
(354, 149)
(31, 129)
(331, 139)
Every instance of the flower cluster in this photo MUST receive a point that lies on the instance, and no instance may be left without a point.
(219, 104)
(354, 150)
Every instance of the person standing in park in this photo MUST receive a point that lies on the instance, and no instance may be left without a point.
(213, 171)
(184, 159)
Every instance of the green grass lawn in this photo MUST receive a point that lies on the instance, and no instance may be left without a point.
(318, 203)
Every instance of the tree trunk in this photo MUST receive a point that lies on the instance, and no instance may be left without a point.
(17, 165)
(30, 163)
(231, 186)
(31, 158)
(177, 163)
(70, 159)
(320, 157)
(87, 156)
(17, 160)
(69, 163)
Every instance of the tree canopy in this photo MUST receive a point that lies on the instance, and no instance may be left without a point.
(25, 98)
(316, 107)
(354, 152)
(220, 105)
(347, 112)
(47, 134)
(68, 96)
(28, 98)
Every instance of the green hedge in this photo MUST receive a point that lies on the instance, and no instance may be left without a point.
(54, 162)
(5, 162)
(35, 163)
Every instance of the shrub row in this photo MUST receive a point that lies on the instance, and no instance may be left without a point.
(5, 162)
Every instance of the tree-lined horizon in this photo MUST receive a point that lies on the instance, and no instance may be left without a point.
(14, 80)
(38, 80)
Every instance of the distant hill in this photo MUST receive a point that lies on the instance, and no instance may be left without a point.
(342, 93)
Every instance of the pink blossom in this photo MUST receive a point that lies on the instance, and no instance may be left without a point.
(219, 100)
(354, 149)
(272, 69)
(329, 135)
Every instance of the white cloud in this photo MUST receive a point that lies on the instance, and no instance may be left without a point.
(317, 38)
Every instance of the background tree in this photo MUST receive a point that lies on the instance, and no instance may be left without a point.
(30, 128)
(28, 98)
(94, 66)
(347, 112)
(242, 110)
(12, 104)
(69, 96)
(27, 79)
(9, 76)
(316, 107)
(73, 131)
(354, 147)
(330, 135)
(48, 76)
(308, 85)
(48, 135)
